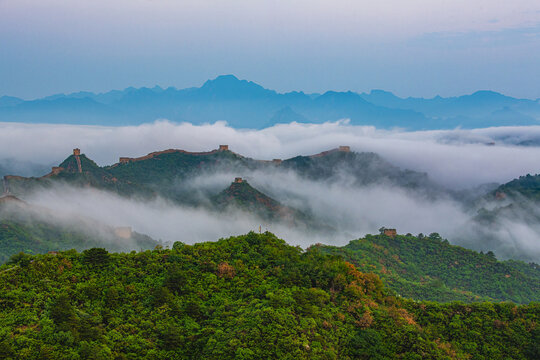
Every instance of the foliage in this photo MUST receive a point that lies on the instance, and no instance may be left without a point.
(95, 257)
(527, 186)
(245, 297)
(429, 268)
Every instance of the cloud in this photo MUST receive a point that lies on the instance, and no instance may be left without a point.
(456, 159)
(453, 158)
(159, 218)
(352, 211)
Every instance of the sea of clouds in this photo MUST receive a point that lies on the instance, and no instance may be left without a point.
(456, 159)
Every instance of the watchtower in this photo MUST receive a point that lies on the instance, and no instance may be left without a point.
(123, 232)
(124, 160)
(238, 180)
(344, 148)
(223, 147)
(76, 152)
(277, 161)
(390, 232)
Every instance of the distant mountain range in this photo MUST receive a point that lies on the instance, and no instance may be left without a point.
(245, 104)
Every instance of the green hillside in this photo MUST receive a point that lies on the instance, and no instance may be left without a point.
(175, 165)
(162, 173)
(527, 186)
(241, 195)
(245, 297)
(91, 175)
(429, 268)
(32, 230)
(365, 168)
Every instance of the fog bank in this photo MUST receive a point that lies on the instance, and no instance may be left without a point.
(454, 158)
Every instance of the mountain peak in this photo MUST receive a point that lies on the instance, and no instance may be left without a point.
(380, 92)
(487, 95)
(225, 86)
(244, 196)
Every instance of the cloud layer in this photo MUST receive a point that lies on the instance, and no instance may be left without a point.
(457, 159)
(453, 158)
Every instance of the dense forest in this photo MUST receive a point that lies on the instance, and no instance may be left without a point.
(244, 297)
(430, 268)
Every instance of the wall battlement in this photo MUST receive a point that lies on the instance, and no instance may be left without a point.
(126, 160)
(56, 170)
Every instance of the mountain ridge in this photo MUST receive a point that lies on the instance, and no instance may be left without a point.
(245, 104)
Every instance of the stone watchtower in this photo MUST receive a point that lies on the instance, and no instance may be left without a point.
(123, 232)
(238, 180)
(390, 232)
(76, 153)
(223, 147)
(344, 148)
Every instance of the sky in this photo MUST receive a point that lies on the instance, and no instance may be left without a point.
(413, 48)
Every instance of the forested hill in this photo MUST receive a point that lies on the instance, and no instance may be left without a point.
(36, 230)
(245, 297)
(241, 195)
(163, 172)
(527, 186)
(429, 268)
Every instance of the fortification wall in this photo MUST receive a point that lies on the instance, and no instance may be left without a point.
(55, 171)
(124, 160)
(14, 177)
(341, 148)
(324, 153)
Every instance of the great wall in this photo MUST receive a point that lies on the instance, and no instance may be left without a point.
(341, 148)
(126, 160)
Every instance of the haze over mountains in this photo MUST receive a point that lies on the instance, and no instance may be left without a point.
(327, 197)
(244, 104)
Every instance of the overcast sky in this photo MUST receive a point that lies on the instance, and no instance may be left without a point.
(413, 47)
